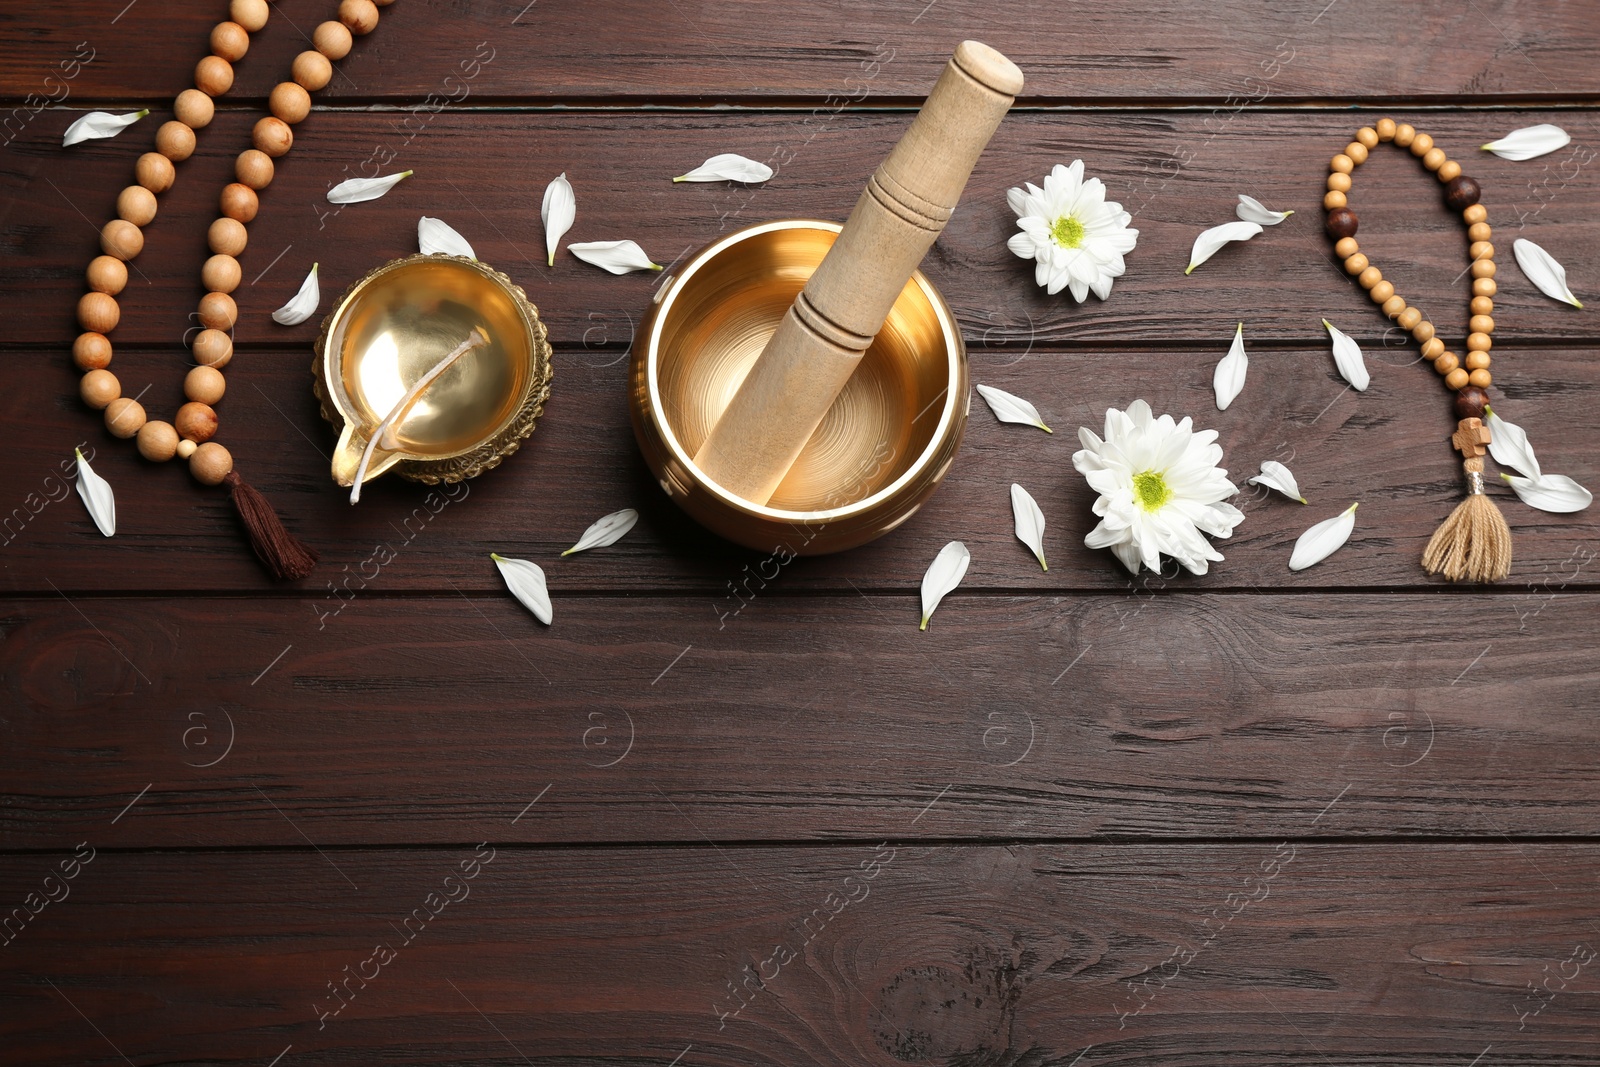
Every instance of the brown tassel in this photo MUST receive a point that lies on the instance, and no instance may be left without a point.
(1474, 542)
(280, 551)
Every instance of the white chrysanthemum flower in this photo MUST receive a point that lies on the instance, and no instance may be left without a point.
(1074, 234)
(1160, 489)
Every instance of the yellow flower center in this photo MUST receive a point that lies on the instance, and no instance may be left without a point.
(1067, 231)
(1151, 490)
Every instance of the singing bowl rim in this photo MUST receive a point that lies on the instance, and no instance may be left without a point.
(953, 409)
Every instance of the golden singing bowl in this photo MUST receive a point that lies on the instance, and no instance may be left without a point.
(882, 448)
(391, 328)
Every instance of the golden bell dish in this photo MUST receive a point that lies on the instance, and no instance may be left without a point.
(885, 443)
(391, 327)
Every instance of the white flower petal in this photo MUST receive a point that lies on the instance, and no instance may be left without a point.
(1206, 245)
(1228, 378)
(1550, 492)
(356, 190)
(1275, 475)
(1543, 271)
(618, 257)
(1509, 446)
(559, 209)
(438, 236)
(1323, 539)
(97, 496)
(1528, 142)
(1029, 521)
(97, 124)
(605, 531)
(303, 304)
(728, 167)
(1008, 408)
(944, 574)
(1252, 210)
(525, 579)
(1347, 357)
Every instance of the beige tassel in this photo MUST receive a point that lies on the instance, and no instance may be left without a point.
(1474, 543)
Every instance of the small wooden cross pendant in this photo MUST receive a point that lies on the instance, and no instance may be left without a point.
(1470, 438)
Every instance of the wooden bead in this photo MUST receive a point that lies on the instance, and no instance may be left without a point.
(1480, 324)
(196, 422)
(1483, 268)
(1445, 363)
(1471, 403)
(213, 75)
(254, 169)
(1480, 250)
(98, 312)
(155, 172)
(1475, 213)
(186, 448)
(124, 416)
(1479, 342)
(1480, 378)
(227, 237)
(210, 463)
(1409, 318)
(1381, 293)
(311, 70)
(239, 202)
(1404, 134)
(273, 136)
(360, 17)
(175, 141)
(1461, 193)
(91, 351)
(1422, 331)
(1356, 264)
(1342, 222)
(122, 239)
(137, 205)
(221, 273)
(1385, 129)
(1434, 158)
(1432, 348)
(158, 441)
(194, 109)
(289, 102)
(1481, 305)
(1367, 137)
(230, 41)
(1420, 144)
(212, 348)
(107, 274)
(1369, 277)
(1393, 306)
(1479, 231)
(218, 311)
(251, 14)
(332, 40)
(1334, 199)
(1339, 183)
(1342, 163)
(1346, 247)
(204, 385)
(1456, 379)
(1357, 152)
(1477, 361)
(1449, 171)
(99, 388)
(1484, 287)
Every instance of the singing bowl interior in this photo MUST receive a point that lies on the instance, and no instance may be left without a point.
(393, 328)
(887, 438)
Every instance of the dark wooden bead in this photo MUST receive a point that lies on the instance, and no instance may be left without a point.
(1461, 192)
(1471, 402)
(1342, 222)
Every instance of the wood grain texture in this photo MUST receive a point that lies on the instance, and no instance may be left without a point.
(1178, 172)
(886, 51)
(383, 720)
(1248, 955)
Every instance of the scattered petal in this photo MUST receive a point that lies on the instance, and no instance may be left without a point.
(1543, 271)
(303, 304)
(1252, 210)
(1323, 539)
(356, 190)
(97, 496)
(944, 574)
(1347, 357)
(1228, 378)
(728, 167)
(525, 579)
(1030, 521)
(1509, 446)
(98, 124)
(1207, 244)
(1550, 492)
(618, 257)
(559, 209)
(1528, 142)
(438, 236)
(605, 531)
(1008, 408)
(1275, 475)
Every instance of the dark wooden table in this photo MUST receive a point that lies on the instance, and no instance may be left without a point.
(1344, 816)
